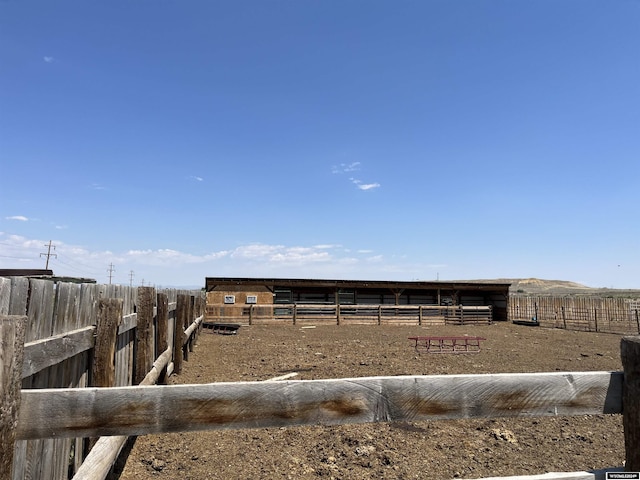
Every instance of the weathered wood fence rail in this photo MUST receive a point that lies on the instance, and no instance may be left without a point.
(378, 314)
(612, 315)
(81, 335)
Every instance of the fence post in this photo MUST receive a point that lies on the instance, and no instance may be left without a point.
(12, 334)
(637, 321)
(144, 338)
(182, 310)
(564, 318)
(192, 317)
(109, 319)
(630, 353)
(162, 324)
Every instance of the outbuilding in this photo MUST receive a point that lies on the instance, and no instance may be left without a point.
(246, 300)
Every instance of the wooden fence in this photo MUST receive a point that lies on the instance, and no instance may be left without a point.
(612, 315)
(45, 413)
(379, 314)
(87, 335)
(68, 412)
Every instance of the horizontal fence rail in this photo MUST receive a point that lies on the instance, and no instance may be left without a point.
(378, 314)
(176, 408)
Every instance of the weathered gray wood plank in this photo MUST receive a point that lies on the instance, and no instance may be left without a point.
(19, 296)
(5, 292)
(12, 334)
(129, 322)
(50, 351)
(143, 410)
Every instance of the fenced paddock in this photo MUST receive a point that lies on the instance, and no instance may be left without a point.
(81, 335)
(612, 315)
(362, 314)
(90, 412)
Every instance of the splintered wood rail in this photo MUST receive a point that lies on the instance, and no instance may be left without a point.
(176, 408)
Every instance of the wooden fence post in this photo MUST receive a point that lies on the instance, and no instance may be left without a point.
(144, 338)
(192, 317)
(630, 353)
(162, 322)
(12, 334)
(182, 310)
(162, 325)
(103, 371)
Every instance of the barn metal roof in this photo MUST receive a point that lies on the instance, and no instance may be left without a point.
(327, 283)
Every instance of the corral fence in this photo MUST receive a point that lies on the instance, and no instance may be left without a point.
(76, 336)
(379, 314)
(42, 414)
(610, 315)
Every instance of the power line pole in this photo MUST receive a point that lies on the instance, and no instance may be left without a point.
(49, 254)
(111, 270)
(131, 278)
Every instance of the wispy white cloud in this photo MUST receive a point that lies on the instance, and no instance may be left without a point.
(353, 167)
(167, 266)
(346, 167)
(19, 218)
(61, 227)
(48, 59)
(196, 178)
(97, 186)
(364, 186)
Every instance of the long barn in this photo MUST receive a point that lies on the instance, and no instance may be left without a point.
(243, 299)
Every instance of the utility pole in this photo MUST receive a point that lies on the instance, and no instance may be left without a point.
(49, 254)
(131, 278)
(111, 270)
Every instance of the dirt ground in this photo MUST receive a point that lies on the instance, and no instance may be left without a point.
(402, 450)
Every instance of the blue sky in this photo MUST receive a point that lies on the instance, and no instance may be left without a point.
(355, 139)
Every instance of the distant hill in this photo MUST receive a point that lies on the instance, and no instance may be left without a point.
(538, 286)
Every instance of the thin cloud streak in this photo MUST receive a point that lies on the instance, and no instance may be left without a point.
(364, 186)
(19, 218)
(346, 167)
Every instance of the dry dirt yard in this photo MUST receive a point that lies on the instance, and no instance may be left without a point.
(425, 450)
